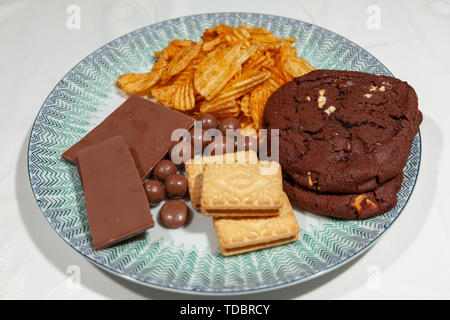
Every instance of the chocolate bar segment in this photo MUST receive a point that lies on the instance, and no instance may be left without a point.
(116, 203)
(146, 127)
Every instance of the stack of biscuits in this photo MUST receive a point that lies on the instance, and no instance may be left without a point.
(344, 139)
(245, 198)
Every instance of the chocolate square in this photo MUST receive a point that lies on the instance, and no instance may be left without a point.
(146, 127)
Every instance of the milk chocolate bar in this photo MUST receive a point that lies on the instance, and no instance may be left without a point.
(116, 203)
(146, 127)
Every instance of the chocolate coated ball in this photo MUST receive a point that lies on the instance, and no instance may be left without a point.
(229, 124)
(176, 185)
(174, 214)
(197, 140)
(155, 192)
(208, 121)
(163, 169)
(181, 152)
(220, 145)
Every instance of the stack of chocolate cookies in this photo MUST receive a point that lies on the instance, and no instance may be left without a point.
(344, 139)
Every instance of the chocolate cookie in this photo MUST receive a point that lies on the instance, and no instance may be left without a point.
(343, 131)
(346, 206)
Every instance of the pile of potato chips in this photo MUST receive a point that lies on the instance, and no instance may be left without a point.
(230, 72)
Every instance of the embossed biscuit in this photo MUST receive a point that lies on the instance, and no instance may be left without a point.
(194, 170)
(242, 189)
(248, 234)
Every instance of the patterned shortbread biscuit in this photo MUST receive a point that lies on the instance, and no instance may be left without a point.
(194, 170)
(243, 235)
(242, 189)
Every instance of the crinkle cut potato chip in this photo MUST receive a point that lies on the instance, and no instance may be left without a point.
(217, 69)
(230, 72)
(180, 61)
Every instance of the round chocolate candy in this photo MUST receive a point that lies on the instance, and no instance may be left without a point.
(197, 140)
(219, 145)
(163, 169)
(176, 185)
(155, 192)
(229, 124)
(208, 121)
(181, 152)
(174, 214)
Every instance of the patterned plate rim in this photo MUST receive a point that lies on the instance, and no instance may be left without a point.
(231, 292)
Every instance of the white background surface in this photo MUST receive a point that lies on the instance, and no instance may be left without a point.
(412, 259)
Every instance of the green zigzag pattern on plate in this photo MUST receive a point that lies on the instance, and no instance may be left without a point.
(80, 100)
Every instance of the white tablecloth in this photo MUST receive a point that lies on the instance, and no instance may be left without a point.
(41, 41)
